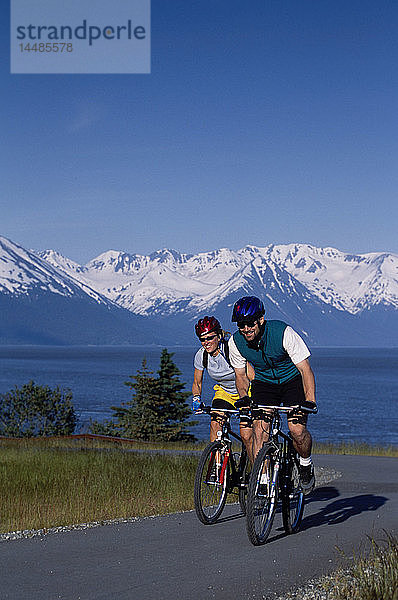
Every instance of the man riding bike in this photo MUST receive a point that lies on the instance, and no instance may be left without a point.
(283, 375)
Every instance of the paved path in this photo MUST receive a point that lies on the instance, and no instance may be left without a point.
(176, 557)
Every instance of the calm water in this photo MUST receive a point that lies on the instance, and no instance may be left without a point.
(357, 388)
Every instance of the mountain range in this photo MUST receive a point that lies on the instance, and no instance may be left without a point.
(330, 297)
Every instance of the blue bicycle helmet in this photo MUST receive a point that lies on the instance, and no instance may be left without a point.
(248, 307)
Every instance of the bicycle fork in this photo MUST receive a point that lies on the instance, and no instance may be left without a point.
(271, 486)
(219, 468)
(274, 482)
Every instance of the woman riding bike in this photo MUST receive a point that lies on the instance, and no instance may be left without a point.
(213, 356)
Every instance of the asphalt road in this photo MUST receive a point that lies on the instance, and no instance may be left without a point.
(176, 557)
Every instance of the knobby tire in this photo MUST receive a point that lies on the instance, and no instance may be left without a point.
(245, 479)
(261, 501)
(292, 496)
(210, 490)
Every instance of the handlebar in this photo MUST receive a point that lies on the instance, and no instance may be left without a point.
(208, 409)
(308, 407)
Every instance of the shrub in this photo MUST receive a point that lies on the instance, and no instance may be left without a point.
(35, 410)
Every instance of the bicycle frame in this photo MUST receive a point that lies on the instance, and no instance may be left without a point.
(282, 443)
(219, 471)
(275, 470)
(275, 424)
(224, 436)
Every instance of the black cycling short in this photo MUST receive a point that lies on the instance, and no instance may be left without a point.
(272, 394)
(220, 403)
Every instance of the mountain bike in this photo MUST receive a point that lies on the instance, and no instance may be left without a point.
(275, 475)
(220, 471)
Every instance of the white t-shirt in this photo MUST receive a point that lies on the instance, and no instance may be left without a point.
(292, 343)
(218, 369)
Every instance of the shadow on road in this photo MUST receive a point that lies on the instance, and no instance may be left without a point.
(331, 513)
(339, 510)
(334, 512)
(238, 515)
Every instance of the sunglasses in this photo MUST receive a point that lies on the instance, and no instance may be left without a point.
(208, 338)
(247, 322)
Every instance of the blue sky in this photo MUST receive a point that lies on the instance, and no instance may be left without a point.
(261, 122)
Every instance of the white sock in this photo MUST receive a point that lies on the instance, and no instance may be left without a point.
(305, 462)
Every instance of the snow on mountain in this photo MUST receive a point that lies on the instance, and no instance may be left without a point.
(43, 301)
(60, 262)
(23, 272)
(154, 284)
(351, 282)
(337, 298)
(167, 281)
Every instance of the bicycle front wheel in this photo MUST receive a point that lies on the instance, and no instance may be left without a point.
(262, 496)
(293, 496)
(244, 467)
(210, 492)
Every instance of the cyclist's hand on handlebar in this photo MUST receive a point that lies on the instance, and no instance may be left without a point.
(311, 406)
(196, 403)
(242, 402)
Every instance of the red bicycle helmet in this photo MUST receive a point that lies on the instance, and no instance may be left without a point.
(206, 325)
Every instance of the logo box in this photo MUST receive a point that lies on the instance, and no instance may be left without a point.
(80, 36)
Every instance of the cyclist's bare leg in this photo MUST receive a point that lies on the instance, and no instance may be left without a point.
(216, 422)
(302, 440)
(246, 433)
(260, 435)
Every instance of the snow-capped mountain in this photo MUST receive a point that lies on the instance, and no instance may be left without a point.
(329, 296)
(164, 281)
(40, 303)
(351, 282)
(23, 272)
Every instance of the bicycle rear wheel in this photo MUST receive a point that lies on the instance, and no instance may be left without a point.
(293, 496)
(262, 496)
(210, 491)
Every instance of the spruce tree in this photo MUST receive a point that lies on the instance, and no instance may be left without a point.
(157, 410)
(174, 411)
(138, 418)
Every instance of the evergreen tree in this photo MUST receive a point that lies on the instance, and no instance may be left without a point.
(138, 418)
(35, 410)
(174, 411)
(157, 410)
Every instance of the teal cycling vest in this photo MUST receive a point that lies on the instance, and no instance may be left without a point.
(270, 360)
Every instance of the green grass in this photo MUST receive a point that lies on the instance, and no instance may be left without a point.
(90, 443)
(373, 576)
(49, 487)
(356, 448)
(49, 482)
